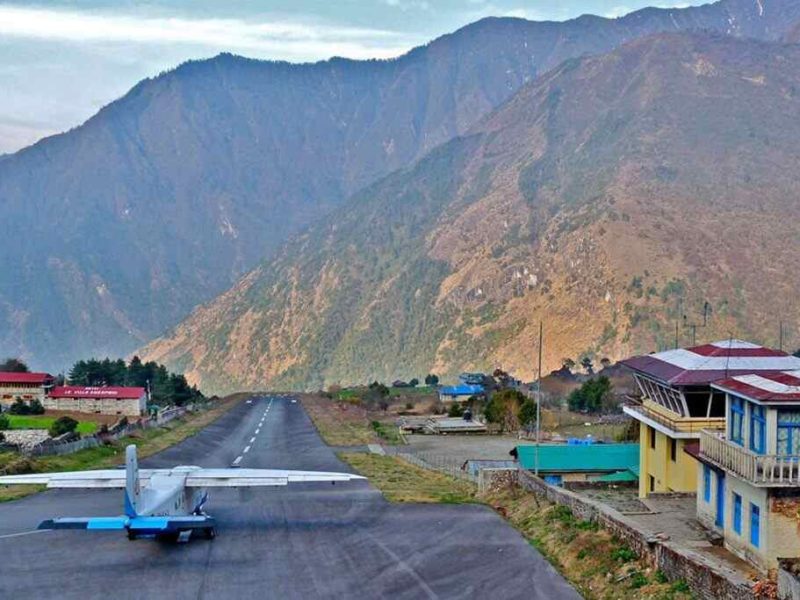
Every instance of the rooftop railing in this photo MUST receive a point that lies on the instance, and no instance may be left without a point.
(675, 423)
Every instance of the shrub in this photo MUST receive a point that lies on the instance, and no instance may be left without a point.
(660, 577)
(36, 408)
(504, 407)
(680, 587)
(638, 580)
(623, 554)
(455, 410)
(4, 423)
(409, 405)
(431, 379)
(19, 407)
(62, 425)
(19, 466)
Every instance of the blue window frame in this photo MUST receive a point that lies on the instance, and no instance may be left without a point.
(737, 513)
(758, 429)
(707, 484)
(736, 419)
(755, 525)
(789, 432)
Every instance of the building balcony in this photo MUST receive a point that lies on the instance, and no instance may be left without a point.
(668, 422)
(763, 470)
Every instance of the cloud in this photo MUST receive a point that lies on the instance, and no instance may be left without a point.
(275, 38)
(409, 5)
(617, 11)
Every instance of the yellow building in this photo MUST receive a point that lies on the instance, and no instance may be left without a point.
(677, 403)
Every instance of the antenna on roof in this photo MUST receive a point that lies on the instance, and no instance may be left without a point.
(780, 336)
(728, 356)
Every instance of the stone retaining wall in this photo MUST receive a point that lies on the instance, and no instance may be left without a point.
(708, 580)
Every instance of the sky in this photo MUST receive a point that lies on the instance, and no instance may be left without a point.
(61, 61)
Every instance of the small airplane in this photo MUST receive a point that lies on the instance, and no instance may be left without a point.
(164, 503)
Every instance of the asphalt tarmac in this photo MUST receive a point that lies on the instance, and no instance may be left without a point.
(300, 541)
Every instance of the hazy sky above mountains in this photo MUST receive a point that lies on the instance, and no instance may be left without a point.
(60, 61)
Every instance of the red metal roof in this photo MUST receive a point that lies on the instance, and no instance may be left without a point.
(115, 393)
(701, 365)
(35, 378)
(764, 387)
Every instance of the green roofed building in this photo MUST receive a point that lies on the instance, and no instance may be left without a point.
(560, 463)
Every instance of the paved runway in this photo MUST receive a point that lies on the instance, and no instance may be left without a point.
(301, 541)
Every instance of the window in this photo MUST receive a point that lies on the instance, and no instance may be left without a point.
(673, 449)
(758, 428)
(652, 483)
(789, 432)
(652, 438)
(755, 524)
(736, 419)
(737, 513)
(707, 484)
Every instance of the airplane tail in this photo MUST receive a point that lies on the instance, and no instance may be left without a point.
(132, 489)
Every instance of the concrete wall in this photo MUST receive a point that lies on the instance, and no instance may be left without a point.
(707, 580)
(740, 543)
(679, 475)
(27, 392)
(788, 582)
(780, 520)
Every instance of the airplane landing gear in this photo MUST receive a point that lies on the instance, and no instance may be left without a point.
(211, 533)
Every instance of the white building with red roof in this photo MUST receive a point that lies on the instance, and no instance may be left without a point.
(24, 386)
(111, 400)
(678, 402)
(749, 484)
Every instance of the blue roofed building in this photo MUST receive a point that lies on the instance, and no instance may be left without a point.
(460, 393)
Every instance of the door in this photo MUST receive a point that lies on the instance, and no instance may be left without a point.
(720, 520)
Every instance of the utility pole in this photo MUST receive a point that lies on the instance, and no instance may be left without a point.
(780, 337)
(538, 400)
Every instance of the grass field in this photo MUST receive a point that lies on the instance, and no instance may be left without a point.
(599, 565)
(44, 422)
(401, 481)
(148, 442)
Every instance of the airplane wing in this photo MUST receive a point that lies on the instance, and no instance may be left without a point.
(106, 478)
(260, 477)
(136, 524)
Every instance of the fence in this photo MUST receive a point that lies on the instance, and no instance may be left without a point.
(51, 447)
(436, 462)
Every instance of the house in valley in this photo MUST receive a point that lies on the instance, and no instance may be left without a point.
(24, 386)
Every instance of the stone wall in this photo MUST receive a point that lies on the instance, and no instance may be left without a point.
(708, 580)
(788, 582)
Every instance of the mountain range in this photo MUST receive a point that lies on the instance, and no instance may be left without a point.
(118, 229)
(608, 198)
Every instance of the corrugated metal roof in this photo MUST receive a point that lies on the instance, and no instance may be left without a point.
(461, 390)
(114, 393)
(711, 362)
(765, 387)
(619, 476)
(35, 378)
(558, 458)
